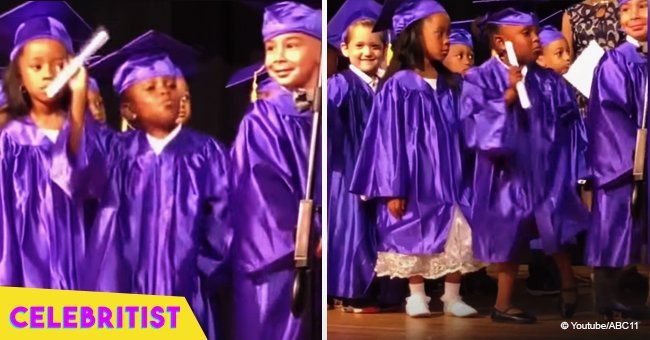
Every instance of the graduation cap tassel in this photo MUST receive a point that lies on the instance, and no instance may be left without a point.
(254, 88)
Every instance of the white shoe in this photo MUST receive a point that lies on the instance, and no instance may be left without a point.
(417, 306)
(458, 308)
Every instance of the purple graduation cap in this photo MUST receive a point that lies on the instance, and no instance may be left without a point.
(38, 20)
(399, 14)
(512, 17)
(549, 34)
(246, 74)
(92, 84)
(350, 11)
(460, 33)
(256, 73)
(291, 17)
(623, 2)
(150, 55)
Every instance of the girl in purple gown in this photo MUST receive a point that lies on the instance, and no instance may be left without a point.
(410, 161)
(351, 221)
(41, 226)
(618, 98)
(269, 174)
(523, 184)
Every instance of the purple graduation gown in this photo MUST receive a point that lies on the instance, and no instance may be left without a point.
(41, 227)
(524, 175)
(351, 227)
(615, 113)
(270, 157)
(412, 149)
(162, 225)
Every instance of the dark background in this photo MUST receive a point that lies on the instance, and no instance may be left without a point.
(227, 33)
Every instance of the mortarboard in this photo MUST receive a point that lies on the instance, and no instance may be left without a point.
(399, 14)
(150, 55)
(41, 19)
(246, 74)
(291, 17)
(350, 11)
(549, 34)
(460, 33)
(510, 16)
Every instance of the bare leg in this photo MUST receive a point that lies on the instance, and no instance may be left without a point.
(506, 284)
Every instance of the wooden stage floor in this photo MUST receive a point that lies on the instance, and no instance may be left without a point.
(399, 326)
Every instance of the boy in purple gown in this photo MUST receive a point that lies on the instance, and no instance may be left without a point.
(410, 161)
(162, 225)
(523, 185)
(41, 226)
(351, 222)
(618, 98)
(269, 174)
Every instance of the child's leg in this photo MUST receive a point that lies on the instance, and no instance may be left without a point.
(569, 295)
(453, 303)
(506, 285)
(417, 304)
(416, 285)
(503, 310)
(567, 278)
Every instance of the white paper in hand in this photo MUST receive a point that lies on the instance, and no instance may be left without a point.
(581, 73)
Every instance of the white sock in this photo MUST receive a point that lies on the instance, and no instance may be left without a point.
(452, 291)
(417, 289)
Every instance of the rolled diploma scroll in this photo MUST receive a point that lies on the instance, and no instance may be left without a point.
(98, 40)
(521, 88)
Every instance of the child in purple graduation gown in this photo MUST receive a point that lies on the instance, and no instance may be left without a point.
(461, 51)
(270, 158)
(523, 184)
(162, 226)
(618, 98)
(41, 226)
(351, 222)
(96, 102)
(410, 161)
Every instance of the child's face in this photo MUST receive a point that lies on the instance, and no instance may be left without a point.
(524, 39)
(365, 49)
(40, 61)
(460, 58)
(293, 60)
(154, 102)
(435, 36)
(556, 56)
(634, 19)
(96, 105)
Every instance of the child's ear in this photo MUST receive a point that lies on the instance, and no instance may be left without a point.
(541, 61)
(127, 112)
(344, 50)
(499, 43)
